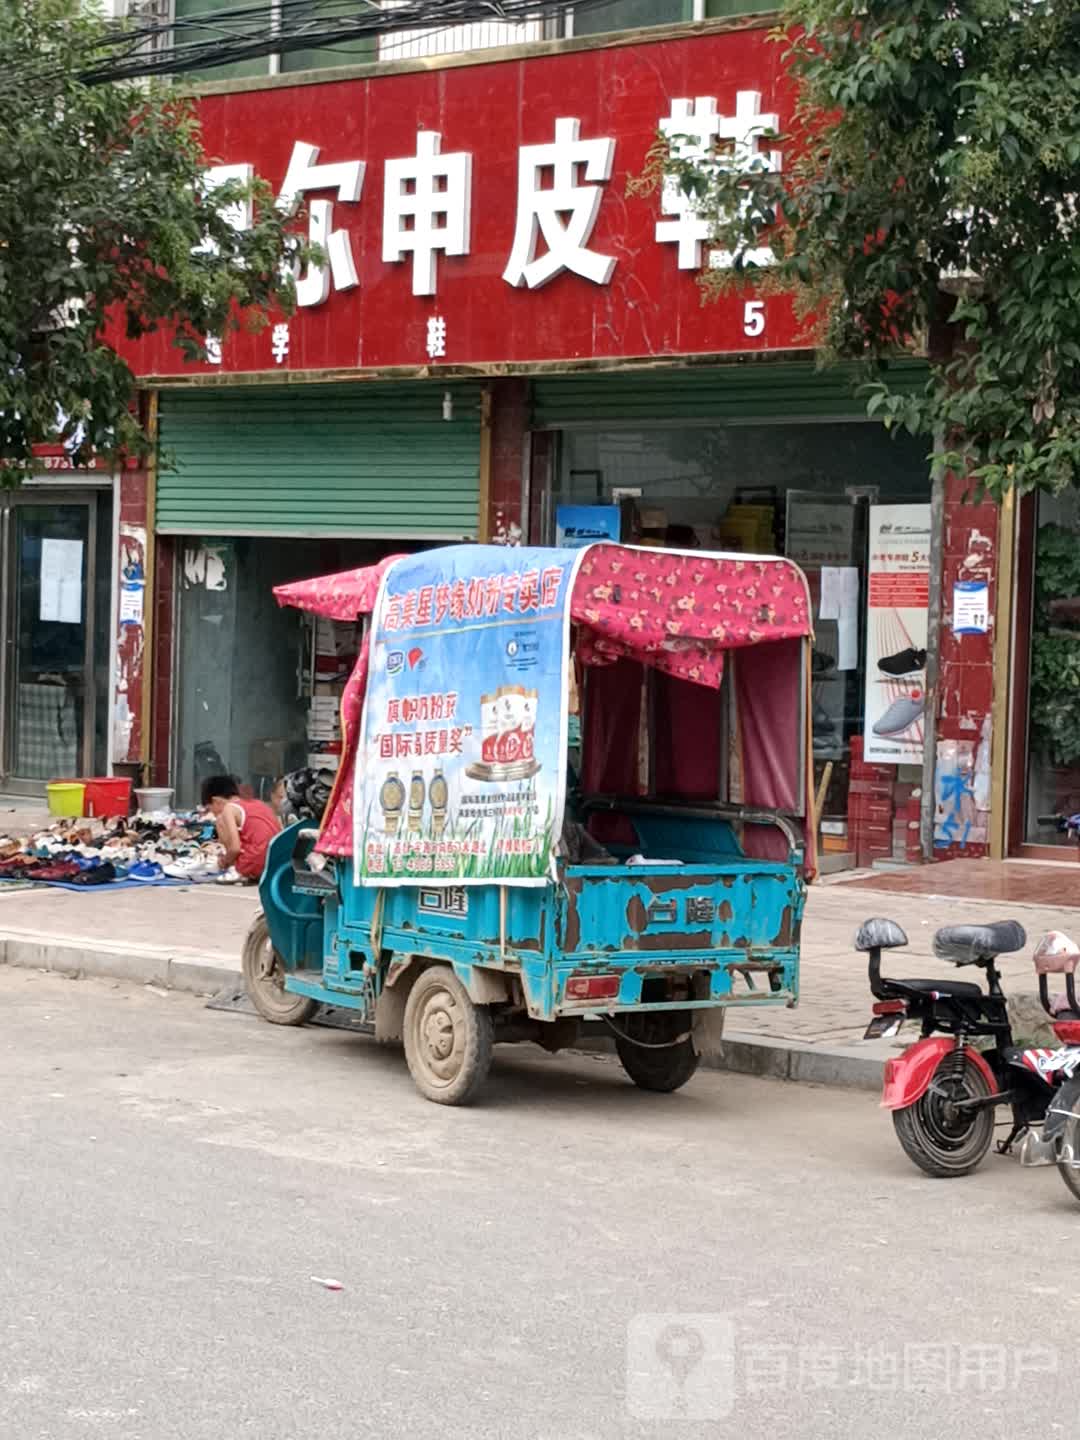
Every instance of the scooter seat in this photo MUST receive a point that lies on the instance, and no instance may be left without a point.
(961, 989)
(879, 934)
(970, 944)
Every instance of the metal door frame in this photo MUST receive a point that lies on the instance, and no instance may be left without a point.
(9, 628)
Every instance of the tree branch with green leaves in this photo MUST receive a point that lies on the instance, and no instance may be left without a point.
(108, 225)
(928, 204)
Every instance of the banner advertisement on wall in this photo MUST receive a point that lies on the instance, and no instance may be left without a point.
(898, 600)
(460, 776)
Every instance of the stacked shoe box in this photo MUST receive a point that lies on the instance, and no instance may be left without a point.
(333, 662)
(883, 813)
(870, 808)
(907, 802)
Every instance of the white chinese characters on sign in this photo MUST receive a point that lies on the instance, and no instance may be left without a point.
(564, 214)
(347, 178)
(693, 128)
(421, 218)
(560, 188)
(279, 343)
(436, 337)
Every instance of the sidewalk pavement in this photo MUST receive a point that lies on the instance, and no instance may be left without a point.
(190, 938)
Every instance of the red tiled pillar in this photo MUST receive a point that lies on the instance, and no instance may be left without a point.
(965, 667)
(129, 634)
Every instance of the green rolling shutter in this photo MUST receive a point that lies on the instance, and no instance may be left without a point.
(713, 394)
(358, 460)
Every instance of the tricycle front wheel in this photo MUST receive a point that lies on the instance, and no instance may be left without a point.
(264, 979)
(448, 1039)
(648, 1057)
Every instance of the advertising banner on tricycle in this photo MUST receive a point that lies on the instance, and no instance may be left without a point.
(461, 769)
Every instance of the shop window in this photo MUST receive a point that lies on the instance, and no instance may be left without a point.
(342, 52)
(1053, 768)
(632, 14)
(232, 22)
(718, 9)
(805, 491)
(199, 14)
(629, 15)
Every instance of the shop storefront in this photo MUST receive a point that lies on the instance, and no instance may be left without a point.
(505, 331)
(56, 580)
(774, 459)
(1044, 753)
(261, 489)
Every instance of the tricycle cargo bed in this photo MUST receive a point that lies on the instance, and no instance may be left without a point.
(747, 906)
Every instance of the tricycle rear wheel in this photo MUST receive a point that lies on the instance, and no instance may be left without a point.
(652, 1063)
(264, 979)
(448, 1039)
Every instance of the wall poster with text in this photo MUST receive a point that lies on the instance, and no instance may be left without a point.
(898, 600)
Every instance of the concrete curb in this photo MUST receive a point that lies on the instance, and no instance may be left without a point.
(743, 1052)
(847, 1065)
(142, 964)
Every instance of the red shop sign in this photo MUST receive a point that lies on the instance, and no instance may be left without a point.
(478, 214)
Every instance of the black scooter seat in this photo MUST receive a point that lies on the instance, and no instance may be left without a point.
(961, 989)
(970, 944)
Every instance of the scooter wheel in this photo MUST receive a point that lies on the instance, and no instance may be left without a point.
(941, 1139)
(1070, 1146)
(264, 980)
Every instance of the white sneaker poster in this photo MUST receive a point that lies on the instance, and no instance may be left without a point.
(898, 598)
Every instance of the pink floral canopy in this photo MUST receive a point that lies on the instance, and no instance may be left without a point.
(673, 611)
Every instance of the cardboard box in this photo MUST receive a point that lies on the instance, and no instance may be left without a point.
(876, 788)
(268, 757)
(652, 518)
(870, 812)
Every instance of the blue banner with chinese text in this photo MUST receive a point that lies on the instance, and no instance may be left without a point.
(461, 769)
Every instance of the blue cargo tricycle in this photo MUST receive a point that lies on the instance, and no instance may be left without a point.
(574, 797)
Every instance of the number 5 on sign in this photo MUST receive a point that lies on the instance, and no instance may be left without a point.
(753, 317)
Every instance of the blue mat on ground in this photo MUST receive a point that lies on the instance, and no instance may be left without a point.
(105, 888)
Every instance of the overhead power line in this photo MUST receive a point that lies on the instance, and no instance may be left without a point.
(141, 47)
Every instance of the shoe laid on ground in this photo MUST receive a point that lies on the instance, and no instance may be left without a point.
(901, 714)
(146, 871)
(190, 867)
(904, 662)
(58, 871)
(821, 663)
(231, 876)
(95, 875)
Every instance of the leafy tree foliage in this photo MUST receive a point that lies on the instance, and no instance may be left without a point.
(105, 229)
(928, 202)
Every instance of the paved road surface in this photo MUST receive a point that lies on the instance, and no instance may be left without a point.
(572, 1260)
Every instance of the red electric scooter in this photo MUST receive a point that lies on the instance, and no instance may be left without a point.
(1058, 1143)
(944, 1091)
